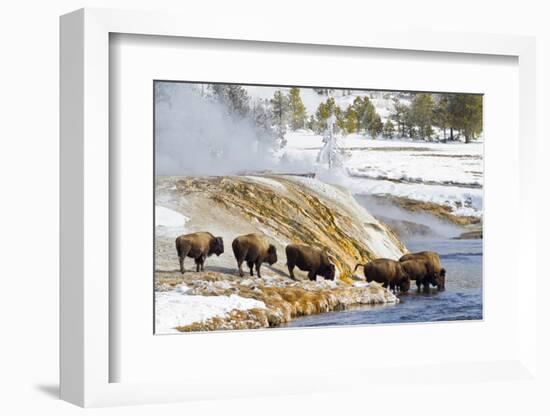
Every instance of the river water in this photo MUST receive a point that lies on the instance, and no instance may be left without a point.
(463, 259)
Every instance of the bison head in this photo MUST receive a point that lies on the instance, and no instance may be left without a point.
(405, 285)
(271, 255)
(217, 246)
(329, 272)
(439, 279)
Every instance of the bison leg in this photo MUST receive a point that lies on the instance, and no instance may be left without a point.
(182, 269)
(312, 275)
(198, 264)
(240, 255)
(258, 265)
(291, 271)
(203, 259)
(182, 248)
(182, 256)
(426, 286)
(251, 267)
(240, 266)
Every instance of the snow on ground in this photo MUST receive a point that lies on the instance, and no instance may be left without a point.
(174, 308)
(169, 223)
(444, 173)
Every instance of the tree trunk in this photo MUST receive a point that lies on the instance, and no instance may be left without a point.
(452, 134)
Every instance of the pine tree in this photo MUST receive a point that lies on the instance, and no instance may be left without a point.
(388, 129)
(409, 124)
(311, 122)
(350, 120)
(441, 116)
(466, 115)
(280, 110)
(398, 114)
(324, 110)
(233, 96)
(422, 112)
(367, 117)
(298, 115)
(375, 126)
(340, 118)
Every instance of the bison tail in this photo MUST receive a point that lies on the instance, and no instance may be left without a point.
(359, 264)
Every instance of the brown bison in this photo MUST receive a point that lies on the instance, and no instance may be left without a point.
(435, 272)
(417, 270)
(255, 250)
(309, 259)
(198, 246)
(388, 272)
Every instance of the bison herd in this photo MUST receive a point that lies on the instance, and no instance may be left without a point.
(254, 249)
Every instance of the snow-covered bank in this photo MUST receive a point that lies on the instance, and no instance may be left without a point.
(174, 309)
(447, 174)
(207, 301)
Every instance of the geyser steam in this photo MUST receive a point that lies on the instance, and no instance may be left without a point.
(196, 135)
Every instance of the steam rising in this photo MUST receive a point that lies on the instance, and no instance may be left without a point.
(196, 135)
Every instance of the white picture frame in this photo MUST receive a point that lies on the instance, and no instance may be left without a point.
(85, 232)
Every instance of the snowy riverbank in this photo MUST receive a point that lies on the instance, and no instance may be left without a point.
(208, 301)
(446, 174)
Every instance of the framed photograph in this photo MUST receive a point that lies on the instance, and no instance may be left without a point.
(273, 207)
(285, 192)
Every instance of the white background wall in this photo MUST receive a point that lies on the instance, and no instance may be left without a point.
(29, 183)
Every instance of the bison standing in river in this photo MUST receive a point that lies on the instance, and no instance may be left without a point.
(255, 250)
(435, 273)
(309, 259)
(388, 272)
(198, 246)
(417, 270)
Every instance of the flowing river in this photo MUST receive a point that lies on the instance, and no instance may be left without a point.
(463, 260)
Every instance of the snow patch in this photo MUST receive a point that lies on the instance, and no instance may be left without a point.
(169, 223)
(173, 309)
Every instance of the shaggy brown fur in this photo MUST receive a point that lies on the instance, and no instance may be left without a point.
(417, 270)
(255, 250)
(435, 272)
(388, 272)
(309, 259)
(198, 246)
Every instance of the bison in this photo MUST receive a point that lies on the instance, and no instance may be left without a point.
(388, 272)
(255, 250)
(435, 272)
(309, 259)
(417, 270)
(198, 246)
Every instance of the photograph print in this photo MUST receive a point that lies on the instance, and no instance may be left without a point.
(293, 207)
